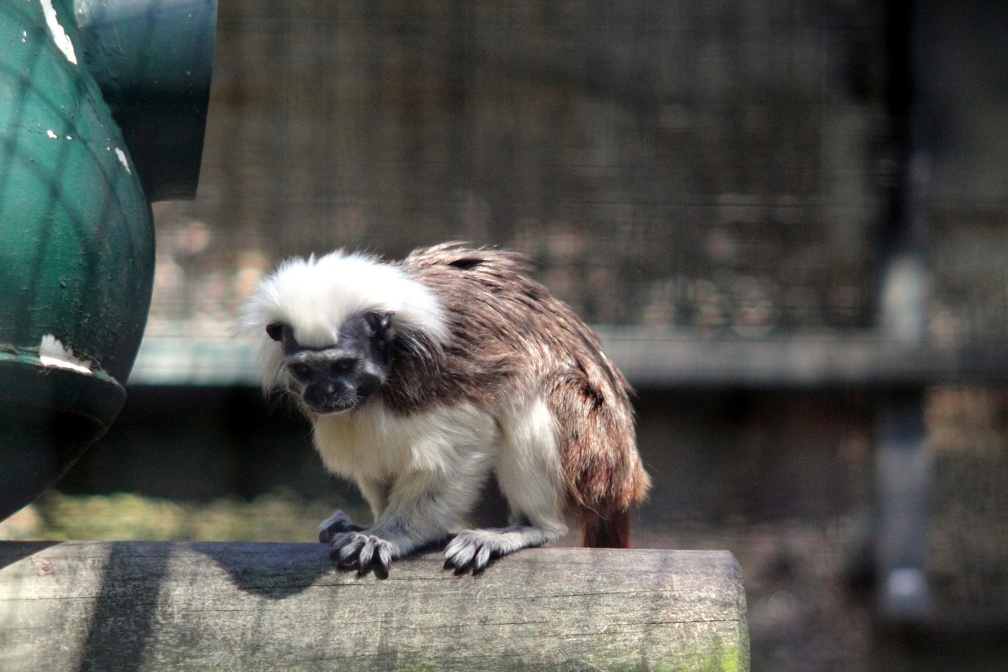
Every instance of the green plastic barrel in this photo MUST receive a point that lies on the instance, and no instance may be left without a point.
(102, 111)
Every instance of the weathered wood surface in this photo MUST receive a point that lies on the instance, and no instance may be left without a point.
(243, 606)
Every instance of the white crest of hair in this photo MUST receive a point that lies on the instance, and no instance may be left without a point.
(315, 295)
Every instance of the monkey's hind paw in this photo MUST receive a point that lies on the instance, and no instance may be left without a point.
(363, 552)
(475, 549)
(335, 524)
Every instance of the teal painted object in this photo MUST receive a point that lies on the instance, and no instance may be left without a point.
(152, 60)
(76, 232)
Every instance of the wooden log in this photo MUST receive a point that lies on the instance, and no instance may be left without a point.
(215, 606)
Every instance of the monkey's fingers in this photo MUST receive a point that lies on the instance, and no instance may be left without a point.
(458, 555)
(469, 551)
(363, 552)
(345, 549)
(384, 559)
(365, 555)
(335, 524)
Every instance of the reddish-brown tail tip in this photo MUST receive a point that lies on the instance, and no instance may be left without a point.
(611, 532)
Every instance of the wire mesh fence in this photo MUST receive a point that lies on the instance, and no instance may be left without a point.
(694, 167)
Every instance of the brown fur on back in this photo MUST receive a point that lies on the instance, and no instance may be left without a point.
(511, 340)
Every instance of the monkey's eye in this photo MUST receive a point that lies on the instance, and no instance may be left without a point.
(300, 371)
(342, 366)
(275, 330)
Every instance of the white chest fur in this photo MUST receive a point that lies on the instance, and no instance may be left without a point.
(374, 444)
(447, 453)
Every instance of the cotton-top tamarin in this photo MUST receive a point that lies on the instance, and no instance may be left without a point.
(424, 377)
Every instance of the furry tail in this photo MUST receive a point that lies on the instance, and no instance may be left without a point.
(611, 532)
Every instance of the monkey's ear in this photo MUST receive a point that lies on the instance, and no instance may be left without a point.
(275, 330)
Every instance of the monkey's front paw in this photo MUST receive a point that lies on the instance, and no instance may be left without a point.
(335, 524)
(472, 550)
(363, 552)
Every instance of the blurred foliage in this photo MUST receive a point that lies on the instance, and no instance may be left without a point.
(279, 515)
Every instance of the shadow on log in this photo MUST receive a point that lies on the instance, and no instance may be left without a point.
(175, 606)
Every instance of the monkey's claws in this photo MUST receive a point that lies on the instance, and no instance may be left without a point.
(363, 552)
(335, 524)
(471, 550)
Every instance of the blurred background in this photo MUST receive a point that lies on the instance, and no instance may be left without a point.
(787, 219)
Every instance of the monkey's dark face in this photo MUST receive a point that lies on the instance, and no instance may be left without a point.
(339, 377)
